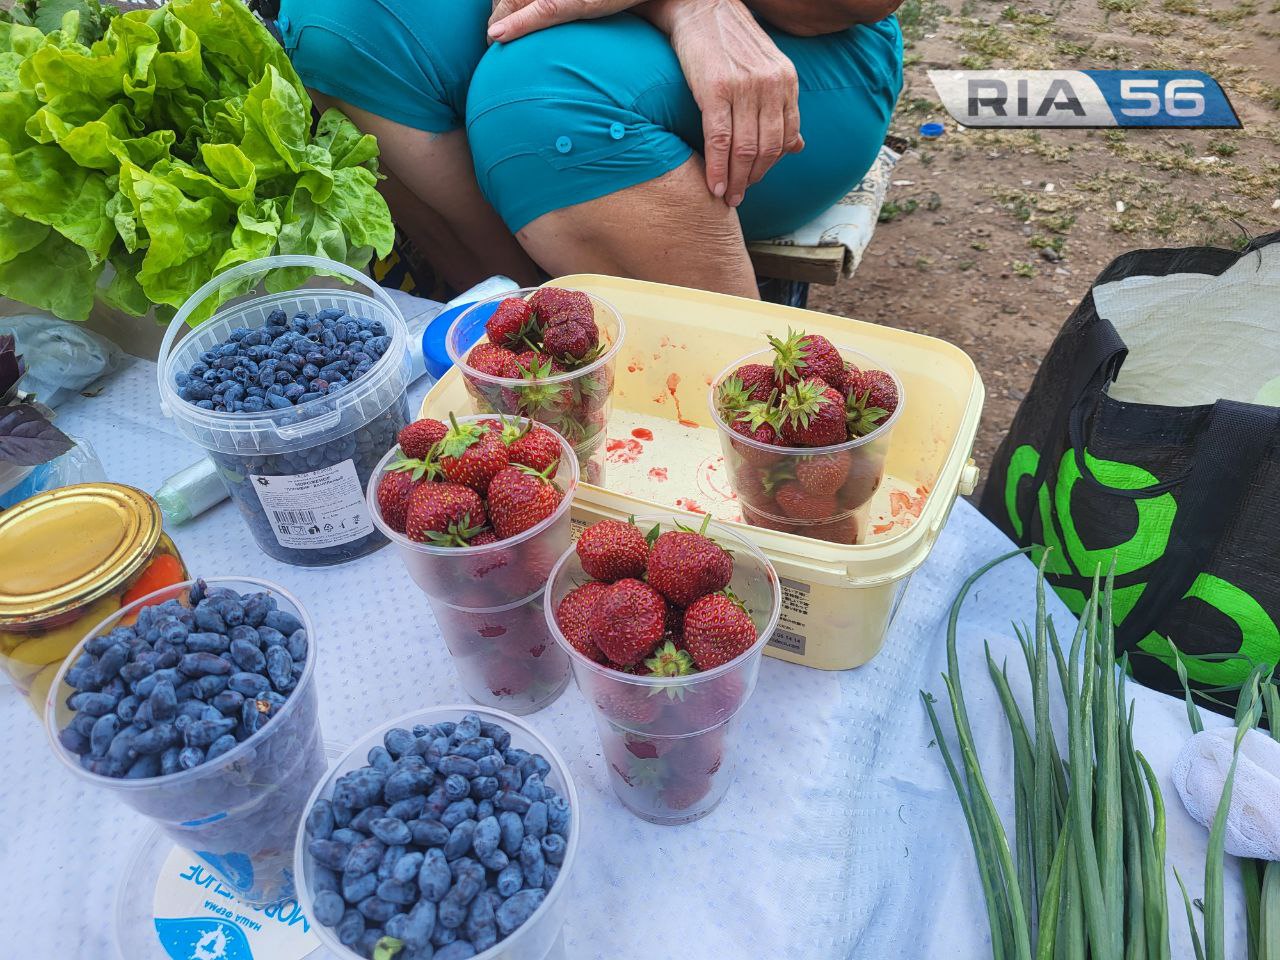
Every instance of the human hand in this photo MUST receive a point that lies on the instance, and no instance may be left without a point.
(746, 88)
(513, 19)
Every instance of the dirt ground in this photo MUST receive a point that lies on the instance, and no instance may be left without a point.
(988, 239)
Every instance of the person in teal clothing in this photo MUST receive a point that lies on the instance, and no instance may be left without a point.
(641, 138)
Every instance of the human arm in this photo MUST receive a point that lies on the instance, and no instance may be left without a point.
(811, 18)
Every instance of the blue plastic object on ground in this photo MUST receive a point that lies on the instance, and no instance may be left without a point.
(932, 131)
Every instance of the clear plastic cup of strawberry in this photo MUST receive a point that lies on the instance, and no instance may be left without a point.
(823, 492)
(670, 742)
(485, 597)
(572, 396)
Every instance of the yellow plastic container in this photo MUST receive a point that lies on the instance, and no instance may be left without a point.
(663, 452)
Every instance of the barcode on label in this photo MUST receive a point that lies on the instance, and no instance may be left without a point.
(295, 516)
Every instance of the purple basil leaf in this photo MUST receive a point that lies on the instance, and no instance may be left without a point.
(27, 438)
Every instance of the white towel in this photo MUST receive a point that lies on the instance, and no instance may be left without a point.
(1200, 772)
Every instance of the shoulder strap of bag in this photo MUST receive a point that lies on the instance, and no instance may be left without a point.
(1228, 453)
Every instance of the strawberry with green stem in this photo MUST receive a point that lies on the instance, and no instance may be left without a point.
(612, 550)
(750, 383)
(803, 356)
(761, 422)
(512, 323)
(628, 621)
(718, 629)
(814, 415)
(471, 454)
(685, 564)
(444, 514)
(520, 498)
(872, 400)
(573, 617)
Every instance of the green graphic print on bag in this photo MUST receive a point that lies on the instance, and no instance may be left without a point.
(1072, 563)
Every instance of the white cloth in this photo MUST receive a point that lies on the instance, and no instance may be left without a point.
(841, 837)
(1253, 819)
(852, 221)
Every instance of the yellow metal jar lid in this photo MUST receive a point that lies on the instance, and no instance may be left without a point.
(68, 547)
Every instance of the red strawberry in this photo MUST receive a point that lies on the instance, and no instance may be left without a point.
(714, 701)
(446, 514)
(557, 305)
(483, 538)
(851, 374)
(825, 473)
(750, 383)
(493, 360)
(805, 355)
(761, 423)
(538, 364)
(571, 340)
(628, 620)
(766, 518)
(511, 322)
(846, 529)
(873, 398)
(717, 629)
(471, 454)
(573, 616)
(532, 447)
(815, 415)
(697, 758)
(394, 490)
(613, 550)
(798, 503)
(536, 398)
(684, 565)
(417, 439)
(670, 661)
(627, 705)
(519, 499)
(682, 794)
(675, 628)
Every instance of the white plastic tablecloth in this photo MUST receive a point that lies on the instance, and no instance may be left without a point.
(840, 838)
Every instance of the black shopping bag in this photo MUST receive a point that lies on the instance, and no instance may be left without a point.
(1186, 498)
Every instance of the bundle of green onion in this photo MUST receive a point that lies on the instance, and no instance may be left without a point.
(1085, 873)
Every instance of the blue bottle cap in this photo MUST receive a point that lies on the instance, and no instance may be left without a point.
(931, 131)
(434, 353)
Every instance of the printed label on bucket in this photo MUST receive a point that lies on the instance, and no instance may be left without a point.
(198, 918)
(315, 510)
(788, 635)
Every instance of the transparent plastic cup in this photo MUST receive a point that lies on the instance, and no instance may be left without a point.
(239, 813)
(505, 657)
(669, 741)
(770, 483)
(539, 936)
(296, 473)
(494, 587)
(575, 404)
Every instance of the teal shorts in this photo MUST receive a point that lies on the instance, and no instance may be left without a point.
(583, 110)
(410, 61)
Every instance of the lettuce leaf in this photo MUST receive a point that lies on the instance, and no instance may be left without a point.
(177, 146)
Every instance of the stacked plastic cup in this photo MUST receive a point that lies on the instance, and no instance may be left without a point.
(576, 404)
(539, 937)
(759, 472)
(488, 600)
(672, 743)
(240, 812)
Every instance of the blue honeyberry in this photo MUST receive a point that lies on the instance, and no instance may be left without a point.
(434, 878)
(280, 668)
(356, 887)
(407, 867)
(389, 858)
(363, 821)
(510, 801)
(509, 778)
(553, 848)
(429, 833)
(512, 832)
(398, 891)
(456, 786)
(328, 908)
(532, 863)
(75, 741)
(247, 656)
(482, 927)
(558, 816)
(391, 831)
(319, 822)
(347, 835)
(535, 820)
(220, 746)
(463, 766)
(351, 927)
(484, 788)
(518, 908)
(408, 809)
(365, 856)
(460, 839)
(485, 809)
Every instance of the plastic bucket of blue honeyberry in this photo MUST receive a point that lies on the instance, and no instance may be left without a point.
(240, 810)
(538, 936)
(298, 472)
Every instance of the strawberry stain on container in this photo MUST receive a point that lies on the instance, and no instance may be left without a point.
(642, 433)
(658, 474)
(673, 383)
(623, 451)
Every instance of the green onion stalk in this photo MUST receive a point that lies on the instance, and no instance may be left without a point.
(1084, 872)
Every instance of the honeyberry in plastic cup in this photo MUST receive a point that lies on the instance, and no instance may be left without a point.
(670, 742)
(539, 936)
(238, 813)
(773, 484)
(576, 403)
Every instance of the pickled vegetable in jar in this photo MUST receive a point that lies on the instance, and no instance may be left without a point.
(69, 558)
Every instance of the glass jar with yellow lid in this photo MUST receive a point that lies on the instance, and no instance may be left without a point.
(69, 558)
